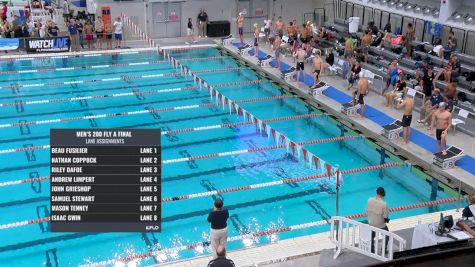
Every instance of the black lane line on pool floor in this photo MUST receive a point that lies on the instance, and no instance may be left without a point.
(123, 87)
(171, 218)
(104, 108)
(81, 75)
(125, 126)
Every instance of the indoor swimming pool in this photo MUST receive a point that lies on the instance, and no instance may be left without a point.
(143, 90)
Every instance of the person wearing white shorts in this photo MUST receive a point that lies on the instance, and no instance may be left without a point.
(189, 33)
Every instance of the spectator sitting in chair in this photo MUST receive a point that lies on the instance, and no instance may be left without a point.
(451, 70)
(354, 76)
(438, 49)
(430, 106)
(399, 89)
(451, 44)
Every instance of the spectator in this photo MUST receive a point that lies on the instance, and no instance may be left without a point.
(373, 29)
(442, 119)
(349, 47)
(466, 228)
(118, 32)
(330, 59)
(7, 29)
(355, 74)
(89, 32)
(52, 29)
(24, 28)
(430, 106)
(409, 37)
(73, 35)
(399, 89)
(221, 260)
(366, 40)
(387, 28)
(202, 23)
(438, 49)
(80, 27)
(392, 73)
(3, 14)
(66, 12)
(108, 35)
(378, 214)
(451, 44)
(16, 27)
(378, 40)
(451, 91)
(99, 28)
(428, 82)
(452, 69)
(267, 26)
(219, 227)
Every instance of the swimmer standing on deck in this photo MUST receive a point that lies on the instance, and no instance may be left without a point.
(361, 92)
(443, 118)
(240, 22)
(408, 104)
(318, 67)
(300, 55)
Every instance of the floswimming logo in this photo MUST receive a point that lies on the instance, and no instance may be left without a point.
(59, 44)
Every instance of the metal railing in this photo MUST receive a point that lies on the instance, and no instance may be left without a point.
(356, 236)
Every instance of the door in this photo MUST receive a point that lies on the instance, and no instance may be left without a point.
(166, 19)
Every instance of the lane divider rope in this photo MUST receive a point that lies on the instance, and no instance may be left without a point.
(254, 235)
(217, 96)
(253, 150)
(229, 190)
(136, 112)
(89, 54)
(202, 128)
(132, 93)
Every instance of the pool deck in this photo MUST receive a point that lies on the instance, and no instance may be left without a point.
(300, 251)
(416, 155)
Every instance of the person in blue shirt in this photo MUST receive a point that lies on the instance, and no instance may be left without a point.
(73, 35)
(219, 227)
(430, 106)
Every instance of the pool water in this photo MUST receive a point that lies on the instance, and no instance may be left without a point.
(184, 221)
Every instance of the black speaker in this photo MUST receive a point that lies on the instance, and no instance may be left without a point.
(219, 28)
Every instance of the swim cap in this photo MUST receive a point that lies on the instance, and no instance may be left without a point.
(255, 25)
(399, 71)
(442, 105)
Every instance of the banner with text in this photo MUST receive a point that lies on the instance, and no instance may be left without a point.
(47, 44)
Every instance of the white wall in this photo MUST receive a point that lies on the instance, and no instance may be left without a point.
(216, 10)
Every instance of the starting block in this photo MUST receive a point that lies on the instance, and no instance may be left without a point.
(265, 61)
(392, 131)
(244, 50)
(448, 161)
(288, 75)
(349, 109)
(319, 89)
(228, 40)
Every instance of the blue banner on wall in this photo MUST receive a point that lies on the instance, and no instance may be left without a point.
(9, 43)
(433, 28)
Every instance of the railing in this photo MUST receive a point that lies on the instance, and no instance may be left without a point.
(356, 236)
